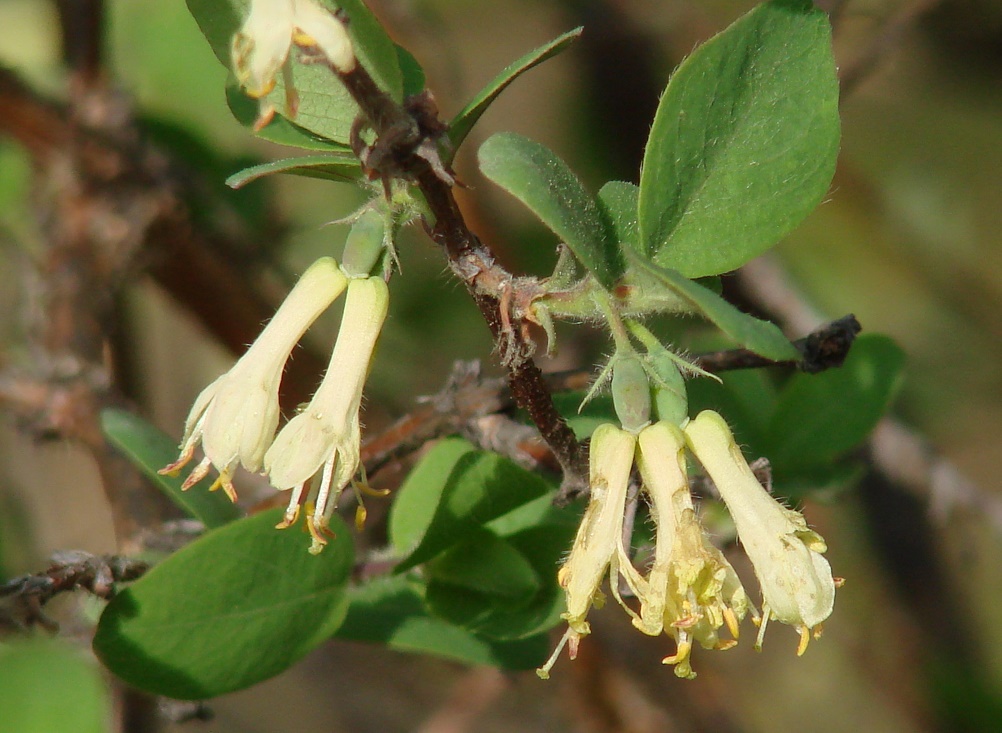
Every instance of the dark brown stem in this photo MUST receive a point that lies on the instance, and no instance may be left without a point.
(402, 150)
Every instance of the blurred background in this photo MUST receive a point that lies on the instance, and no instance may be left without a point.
(909, 240)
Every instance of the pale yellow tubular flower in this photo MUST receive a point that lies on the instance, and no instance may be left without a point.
(317, 28)
(598, 545)
(261, 46)
(691, 590)
(325, 437)
(796, 580)
(235, 417)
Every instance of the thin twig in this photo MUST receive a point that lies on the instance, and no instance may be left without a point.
(402, 148)
(22, 599)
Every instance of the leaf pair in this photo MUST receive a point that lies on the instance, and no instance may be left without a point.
(742, 148)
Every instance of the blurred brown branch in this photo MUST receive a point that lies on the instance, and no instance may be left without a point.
(22, 599)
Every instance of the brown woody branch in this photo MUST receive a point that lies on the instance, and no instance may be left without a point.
(402, 151)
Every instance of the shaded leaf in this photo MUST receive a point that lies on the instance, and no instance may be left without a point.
(744, 142)
(237, 606)
(617, 202)
(391, 611)
(821, 416)
(149, 450)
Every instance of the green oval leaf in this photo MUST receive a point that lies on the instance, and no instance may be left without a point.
(463, 122)
(237, 606)
(744, 142)
(534, 175)
(450, 494)
(149, 450)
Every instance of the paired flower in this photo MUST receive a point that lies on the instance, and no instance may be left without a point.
(691, 591)
(324, 438)
(235, 417)
(261, 47)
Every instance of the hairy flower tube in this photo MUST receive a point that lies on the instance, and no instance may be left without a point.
(235, 417)
(319, 448)
(691, 589)
(260, 49)
(796, 580)
(598, 546)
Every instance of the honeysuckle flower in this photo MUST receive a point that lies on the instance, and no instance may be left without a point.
(598, 546)
(235, 417)
(324, 438)
(796, 580)
(260, 49)
(691, 589)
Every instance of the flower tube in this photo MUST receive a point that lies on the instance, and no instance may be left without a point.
(691, 590)
(325, 437)
(796, 580)
(235, 417)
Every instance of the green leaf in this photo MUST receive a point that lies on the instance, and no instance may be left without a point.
(411, 72)
(47, 685)
(505, 618)
(821, 416)
(149, 450)
(391, 611)
(279, 130)
(450, 494)
(237, 606)
(325, 107)
(463, 122)
(762, 337)
(744, 142)
(534, 175)
(332, 167)
(617, 202)
(486, 564)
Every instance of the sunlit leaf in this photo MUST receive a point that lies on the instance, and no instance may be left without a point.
(744, 142)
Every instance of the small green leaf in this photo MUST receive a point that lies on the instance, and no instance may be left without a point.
(617, 202)
(744, 142)
(237, 606)
(762, 337)
(463, 122)
(332, 167)
(391, 611)
(450, 494)
(821, 416)
(149, 450)
(534, 175)
(47, 685)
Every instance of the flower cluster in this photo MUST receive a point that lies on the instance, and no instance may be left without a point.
(690, 591)
(316, 454)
